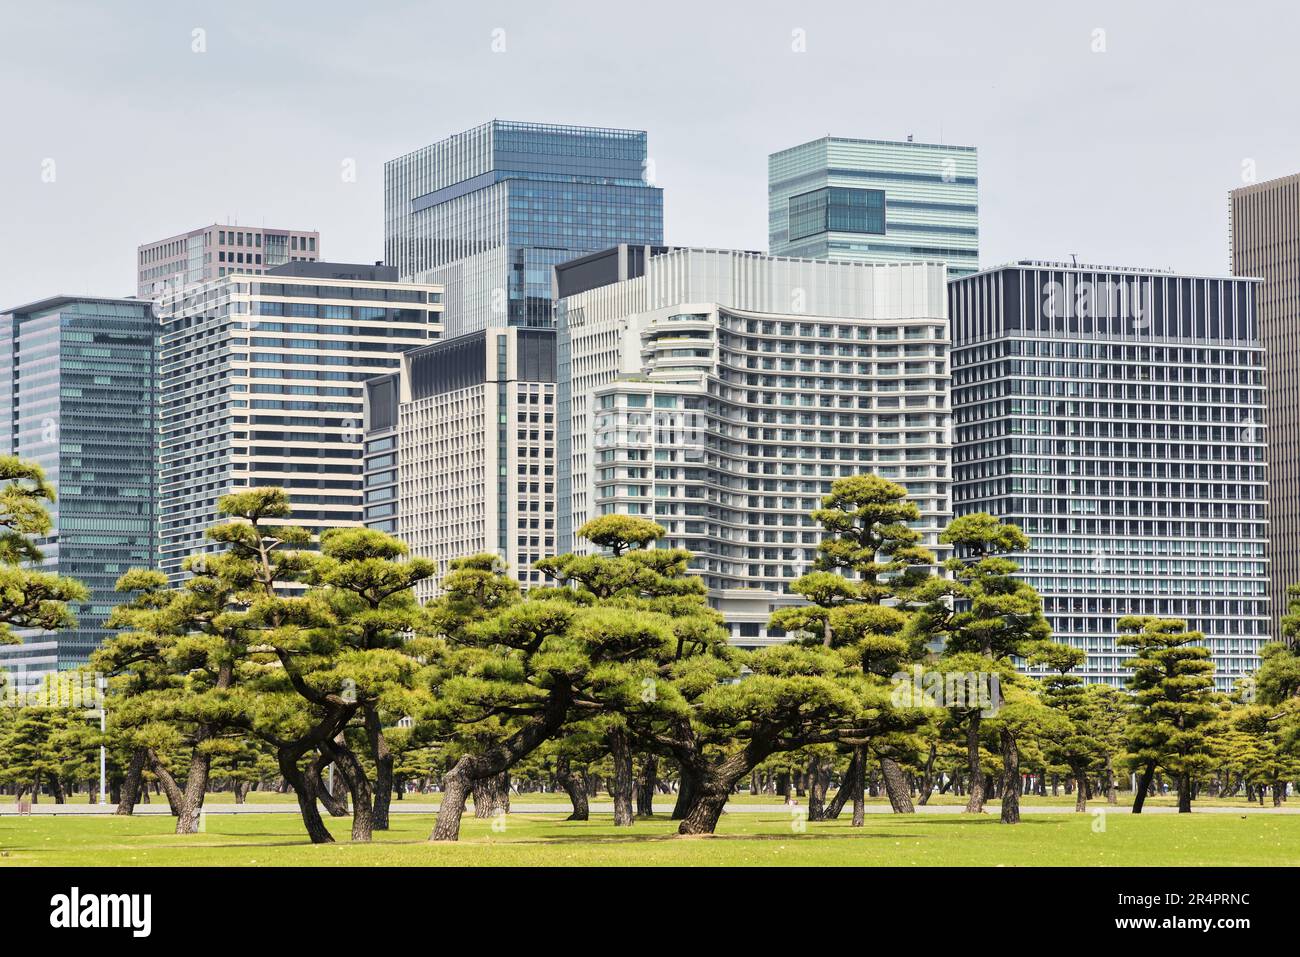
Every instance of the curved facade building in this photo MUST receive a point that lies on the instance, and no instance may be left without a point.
(721, 393)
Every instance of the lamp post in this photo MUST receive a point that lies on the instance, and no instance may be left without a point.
(103, 751)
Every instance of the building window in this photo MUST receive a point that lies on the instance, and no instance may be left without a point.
(837, 209)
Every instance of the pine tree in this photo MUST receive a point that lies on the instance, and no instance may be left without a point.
(1174, 703)
(985, 618)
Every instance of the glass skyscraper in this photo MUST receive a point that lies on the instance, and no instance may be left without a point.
(1117, 416)
(81, 402)
(489, 212)
(875, 201)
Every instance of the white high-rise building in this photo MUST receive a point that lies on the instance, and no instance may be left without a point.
(721, 393)
(262, 379)
(460, 451)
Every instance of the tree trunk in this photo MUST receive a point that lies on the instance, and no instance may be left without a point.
(1143, 785)
(339, 786)
(974, 803)
(1112, 795)
(131, 783)
(333, 795)
(163, 779)
(455, 789)
(304, 787)
(819, 782)
(1185, 793)
(620, 788)
(1010, 778)
(349, 767)
(900, 795)
(927, 777)
(705, 810)
(689, 785)
(576, 789)
(1080, 790)
(196, 785)
(492, 795)
(1279, 788)
(383, 766)
(645, 794)
(837, 803)
(859, 782)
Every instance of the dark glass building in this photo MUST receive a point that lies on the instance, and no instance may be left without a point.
(1117, 416)
(489, 212)
(81, 401)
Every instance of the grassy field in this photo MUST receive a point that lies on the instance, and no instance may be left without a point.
(742, 839)
(665, 801)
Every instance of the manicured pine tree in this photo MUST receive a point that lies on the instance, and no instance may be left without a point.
(29, 598)
(985, 617)
(1074, 741)
(869, 555)
(600, 643)
(375, 641)
(1174, 703)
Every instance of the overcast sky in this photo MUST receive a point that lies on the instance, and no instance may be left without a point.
(1122, 156)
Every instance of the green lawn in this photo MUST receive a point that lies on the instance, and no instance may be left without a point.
(743, 839)
(665, 801)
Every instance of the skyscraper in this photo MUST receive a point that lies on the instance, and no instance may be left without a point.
(80, 400)
(1266, 243)
(1117, 416)
(262, 382)
(211, 252)
(875, 201)
(460, 450)
(720, 393)
(489, 212)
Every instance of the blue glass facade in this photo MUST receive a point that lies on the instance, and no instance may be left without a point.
(875, 201)
(81, 401)
(489, 213)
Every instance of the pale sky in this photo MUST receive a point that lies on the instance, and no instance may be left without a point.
(1123, 156)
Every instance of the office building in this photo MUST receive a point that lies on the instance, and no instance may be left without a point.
(80, 400)
(875, 201)
(212, 252)
(1117, 416)
(262, 383)
(1266, 244)
(460, 450)
(25, 667)
(489, 212)
(720, 393)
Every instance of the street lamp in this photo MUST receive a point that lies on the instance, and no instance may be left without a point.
(102, 684)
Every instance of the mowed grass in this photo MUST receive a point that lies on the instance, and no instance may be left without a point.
(743, 839)
(664, 802)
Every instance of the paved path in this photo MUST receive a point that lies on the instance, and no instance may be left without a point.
(523, 807)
